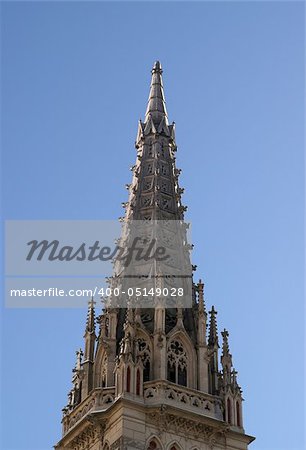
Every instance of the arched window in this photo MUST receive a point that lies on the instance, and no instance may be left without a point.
(238, 414)
(104, 371)
(128, 379)
(138, 382)
(177, 363)
(229, 411)
(153, 445)
(144, 353)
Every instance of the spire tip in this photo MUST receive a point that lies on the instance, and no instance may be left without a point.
(157, 68)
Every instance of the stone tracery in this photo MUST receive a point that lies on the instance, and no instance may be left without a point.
(177, 362)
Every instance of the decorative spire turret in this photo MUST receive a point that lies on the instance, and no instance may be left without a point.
(78, 363)
(90, 323)
(90, 340)
(213, 346)
(225, 345)
(202, 309)
(90, 331)
(226, 356)
(213, 332)
(229, 387)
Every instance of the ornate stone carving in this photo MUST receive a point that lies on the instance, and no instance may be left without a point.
(186, 427)
(178, 394)
(124, 443)
(87, 438)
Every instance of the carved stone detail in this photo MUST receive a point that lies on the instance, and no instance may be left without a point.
(87, 438)
(186, 427)
(124, 443)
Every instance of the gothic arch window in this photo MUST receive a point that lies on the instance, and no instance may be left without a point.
(122, 380)
(177, 363)
(229, 410)
(106, 447)
(238, 414)
(138, 382)
(128, 379)
(144, 353)
(174, 447)
(154, 445)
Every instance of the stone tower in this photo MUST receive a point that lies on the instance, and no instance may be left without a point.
(151, 379)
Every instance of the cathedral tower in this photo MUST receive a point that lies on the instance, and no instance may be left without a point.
(151, 378)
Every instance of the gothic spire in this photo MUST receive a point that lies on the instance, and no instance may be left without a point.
(155, 197)
(78, 363)
(201, 297)
(226, 358)
(156, 108)
(90, 322)
(225, 345)
(213, 332)
(155, 192)
(228, 376)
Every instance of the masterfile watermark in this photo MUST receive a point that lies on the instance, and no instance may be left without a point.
(54, 250)
(140, 262)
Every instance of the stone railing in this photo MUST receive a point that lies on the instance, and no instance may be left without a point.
(99, 398)
(156, 392)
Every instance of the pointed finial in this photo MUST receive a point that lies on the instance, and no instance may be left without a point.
(201, 297)
(157, 68)
(156, 109)
(225, 346)
(234, 377)
(226, 358)
(79, 355)
(90, 322)
(213, 332)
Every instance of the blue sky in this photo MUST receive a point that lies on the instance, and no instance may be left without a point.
(75, 81)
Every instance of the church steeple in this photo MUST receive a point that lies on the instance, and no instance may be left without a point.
(154, 365)
(155, 192)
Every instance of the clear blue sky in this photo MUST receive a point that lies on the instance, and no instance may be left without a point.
(75, 80)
